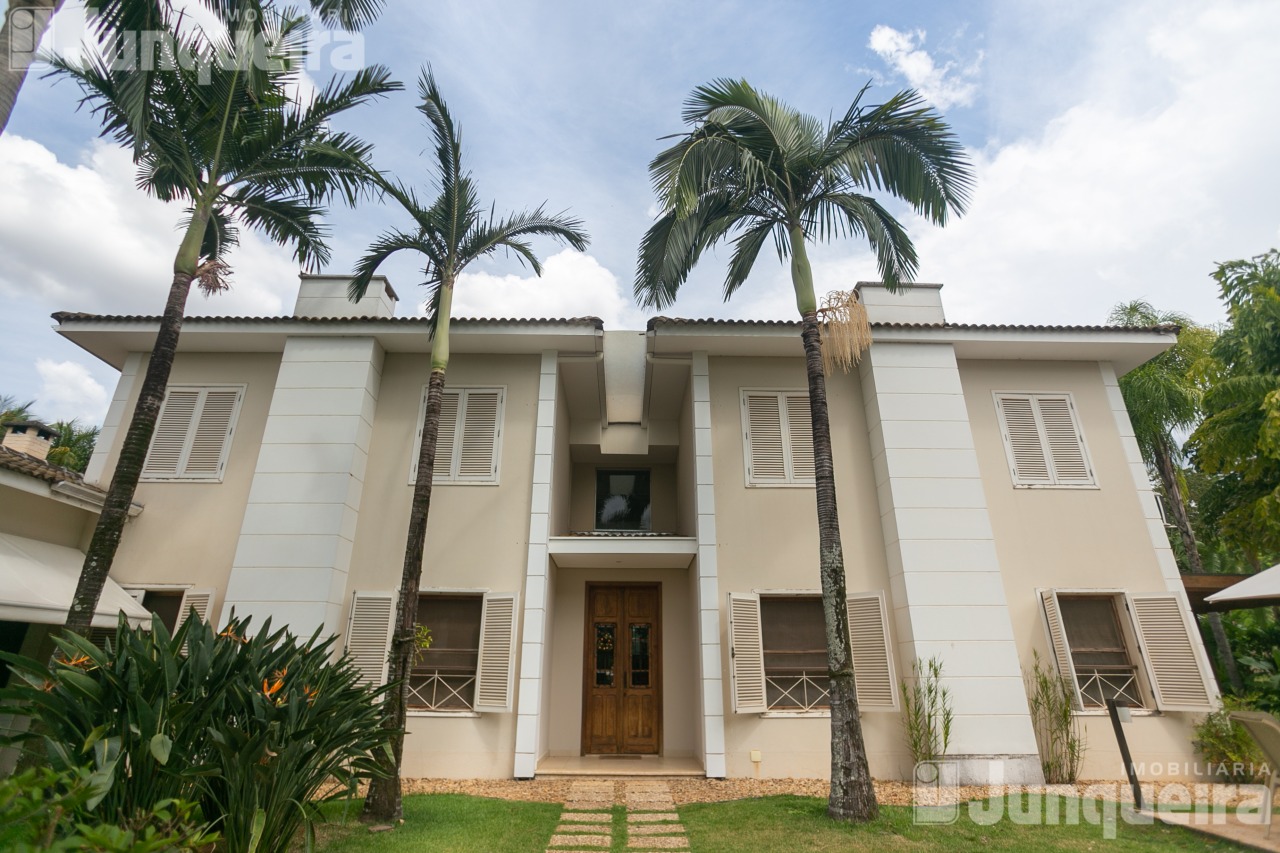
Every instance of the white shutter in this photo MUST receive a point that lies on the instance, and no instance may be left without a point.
(496, 666)
(1027, 457)
(872, 655)
(800, 437)
(369, 634)
(478, 442)
(766, 458)
(746, 654)
(1065, 443)
(1169, 652)
(1058, 642)
(199, 600)
(193, 433)
(169, 441)
(211, 437)
(445, 436)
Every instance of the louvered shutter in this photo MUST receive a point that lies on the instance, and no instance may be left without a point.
(872, 657)
(1058, 642)
(478, 440)
(1169, 652)
(766, 462)
(496, 666)
(1063, 439)
(1022, 441)
(369, 634)
(746, 654)
(169, 441)
(212, 434)
(199, 600)
(800, 437)
(446, 436)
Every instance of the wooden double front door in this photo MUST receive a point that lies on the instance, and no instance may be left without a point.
(622, 670)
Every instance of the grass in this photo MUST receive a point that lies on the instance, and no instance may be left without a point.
(447, 823)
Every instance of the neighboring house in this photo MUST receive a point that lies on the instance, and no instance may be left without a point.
(622, 551)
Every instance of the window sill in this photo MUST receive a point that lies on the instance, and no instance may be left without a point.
(1102, 712)
(769, 715)
(1069, 486)
(420, 712)
(780, 485)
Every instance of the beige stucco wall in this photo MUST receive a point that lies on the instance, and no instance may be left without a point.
(679, 699)
(686, 472)
(188, 532)
(1071, 539)
(47, 519)
(562, 466)
(768, 540)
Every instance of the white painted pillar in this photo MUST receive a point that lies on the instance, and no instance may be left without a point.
(947, 592)
(710, 666)
(116, 422)
(294, 552)
(534, 661)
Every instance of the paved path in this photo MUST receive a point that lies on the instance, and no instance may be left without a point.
(650, 824)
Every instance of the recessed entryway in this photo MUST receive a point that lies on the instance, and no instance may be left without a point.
(622, 670)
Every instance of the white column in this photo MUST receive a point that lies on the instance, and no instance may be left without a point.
(535, 605)
(947, 593)
(710, 667)
(294, 552)
(116, 421)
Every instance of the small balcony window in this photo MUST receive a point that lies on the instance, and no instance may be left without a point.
(622, 500)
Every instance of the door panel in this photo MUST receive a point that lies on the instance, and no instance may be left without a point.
(622, 695)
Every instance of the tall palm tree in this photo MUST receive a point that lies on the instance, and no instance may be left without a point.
(756, 168)
(25, 24)
(221, 134)
(450, 232)
(1163, 397)
(74, 445)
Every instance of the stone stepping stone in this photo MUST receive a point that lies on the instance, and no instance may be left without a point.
(589, 817)
(671, 842)
(588, 805)
(563, 841)
(652, 817)
(582, 827)
(656, 829)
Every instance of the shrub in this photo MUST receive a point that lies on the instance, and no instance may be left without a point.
(927, 711)
(1058, 732)
(1227, 748)
(251, 727)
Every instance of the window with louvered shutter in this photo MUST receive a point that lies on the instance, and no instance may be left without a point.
(193, 433)
(496, 666)
(369, 634)
(777, 438)
(1058, 642)
(746, 654)
(872, 655)
(1168, 649)
(198, 600)
(1043, 440)
(469, 438)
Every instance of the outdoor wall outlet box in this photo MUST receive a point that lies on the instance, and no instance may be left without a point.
(1123, 713)
(756, 756)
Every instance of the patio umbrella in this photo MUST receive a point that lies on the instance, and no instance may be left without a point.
(1258, 590)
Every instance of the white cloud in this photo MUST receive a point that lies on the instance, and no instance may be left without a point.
(67, 391)
(944, 86)
(573, 284)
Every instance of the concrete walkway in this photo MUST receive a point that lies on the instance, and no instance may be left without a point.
(650, 824)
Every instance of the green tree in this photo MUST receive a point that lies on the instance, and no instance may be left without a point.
(1239, 439)
(74, 445)
(13, 409)
(218, 131)
(1163, 398)
(450, 232)
(755, 167)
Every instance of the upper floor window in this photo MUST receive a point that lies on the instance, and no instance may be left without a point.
(1043, 440)
(622, 500)
(193, 433)
(777, 438)
(469, 442)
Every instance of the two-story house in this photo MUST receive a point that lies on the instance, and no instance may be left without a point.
(621, 559)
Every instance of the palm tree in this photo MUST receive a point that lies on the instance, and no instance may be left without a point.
(25, 24)
(74, 445)
(13, 409)
(1163, 397)
(450, 232)
(221, 134)
(755, 167)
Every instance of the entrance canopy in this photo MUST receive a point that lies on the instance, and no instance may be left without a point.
(1258, 590)
(38, 581)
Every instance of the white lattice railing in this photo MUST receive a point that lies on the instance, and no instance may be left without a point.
(438, 690)
(1100, 683)
(797, 691)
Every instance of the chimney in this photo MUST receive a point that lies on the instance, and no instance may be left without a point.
(918, 303)
(326, 296)
(30, 437)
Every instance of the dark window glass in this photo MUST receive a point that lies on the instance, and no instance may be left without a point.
(12, 635)
(795, 653)
(606, 641)
(166, 604)
(622, 500)
(444, 675)
(639, 655)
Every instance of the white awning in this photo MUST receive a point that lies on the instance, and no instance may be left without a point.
(1260, 588)
(38, 581)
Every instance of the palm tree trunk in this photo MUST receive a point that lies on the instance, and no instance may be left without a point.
(1182, 520)
(18, 46)
(383, 801)
(852, 796)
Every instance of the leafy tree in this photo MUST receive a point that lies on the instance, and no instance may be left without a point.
(1239, 439)
(74, 445)
(218, 130)
(12, 409)
(450, 232)
(755, 167)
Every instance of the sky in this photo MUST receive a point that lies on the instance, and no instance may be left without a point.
(1120, 151)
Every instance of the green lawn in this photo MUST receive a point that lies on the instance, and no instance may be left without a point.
(447, 823)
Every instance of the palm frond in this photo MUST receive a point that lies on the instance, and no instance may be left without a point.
(383, 247)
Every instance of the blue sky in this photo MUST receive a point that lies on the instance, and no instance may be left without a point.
(1121, 150)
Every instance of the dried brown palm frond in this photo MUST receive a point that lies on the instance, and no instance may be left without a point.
(213, 276)
(846, 332)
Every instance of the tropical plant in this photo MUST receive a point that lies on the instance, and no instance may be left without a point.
(1228, 749)
(450, 232)
(1058, 732)
(258, 729)
(1239, 439)
(74, 444)
(926, 711)
(218, 130)
(13, 409)
(755, 167)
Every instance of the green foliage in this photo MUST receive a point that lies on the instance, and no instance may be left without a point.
(252, 727)
(1228, 748)
(1058, 732)
(43, 809)
(74, 445)
(926, 707)
(13, 409)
